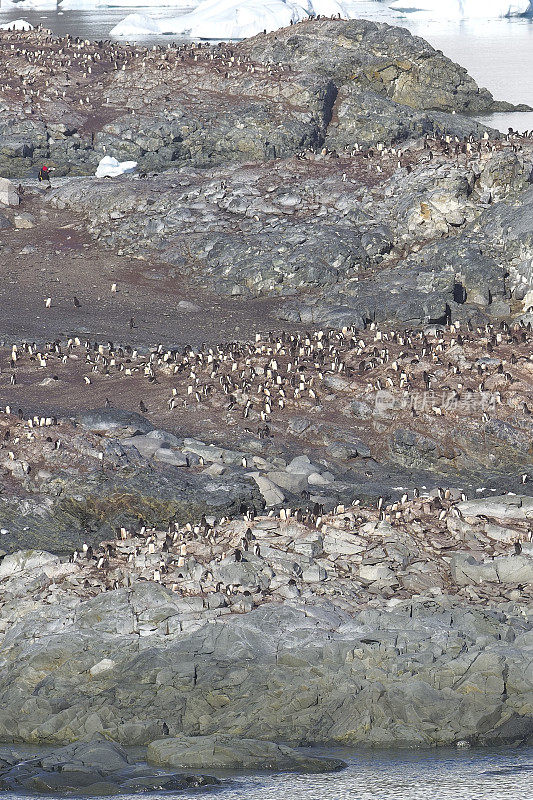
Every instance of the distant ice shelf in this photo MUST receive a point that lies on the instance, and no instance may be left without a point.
(465, 9)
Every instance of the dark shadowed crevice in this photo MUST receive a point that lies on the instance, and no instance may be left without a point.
(329, 104)
(459, 293)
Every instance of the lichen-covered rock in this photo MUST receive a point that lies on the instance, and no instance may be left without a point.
(504, 174)
(382, 58)
(70, 510)
(367, 118)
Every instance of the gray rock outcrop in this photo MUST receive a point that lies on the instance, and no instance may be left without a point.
(225, 752)
(421, 246)
(377, 57)
(96, 768)
(8, 193)
(413, 673)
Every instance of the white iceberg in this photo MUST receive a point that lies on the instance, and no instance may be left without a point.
(466, 9)
(227, 19)
(234, 19)
(29, 5)
(89, 5)
(16, 25)
(110, 167)
(135, 25)
(348, 9)
(217, 19)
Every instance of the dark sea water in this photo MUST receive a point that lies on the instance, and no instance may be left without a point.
(402, 775)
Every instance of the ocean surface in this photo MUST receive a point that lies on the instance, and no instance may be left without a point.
(447, 774)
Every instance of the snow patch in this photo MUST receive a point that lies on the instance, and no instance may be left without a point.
(110, 167)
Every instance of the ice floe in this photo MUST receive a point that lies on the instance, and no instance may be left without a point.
(16, 25)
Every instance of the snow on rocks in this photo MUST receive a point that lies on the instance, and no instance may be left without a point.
(110, 167)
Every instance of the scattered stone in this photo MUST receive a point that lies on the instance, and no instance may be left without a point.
(8, 193)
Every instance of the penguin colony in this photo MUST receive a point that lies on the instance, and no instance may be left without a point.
(37, 67)
(93, 82)
(412, 537)
(428, 377)
(436, 372)
(427, 374)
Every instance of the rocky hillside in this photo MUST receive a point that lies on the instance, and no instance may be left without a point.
(266, 410)
(321, 82)
(288, 421)
(432, 234)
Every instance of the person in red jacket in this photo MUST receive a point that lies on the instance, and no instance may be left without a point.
(44, 174)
